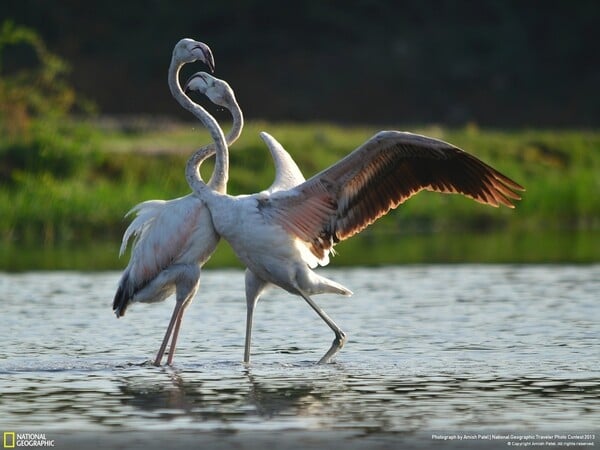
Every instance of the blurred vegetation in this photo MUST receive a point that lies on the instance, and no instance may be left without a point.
(67, 181)
(560, 169)
(36, 87)
(35, 102)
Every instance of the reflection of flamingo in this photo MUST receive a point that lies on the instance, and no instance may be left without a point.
(173, 238)
(280, 236)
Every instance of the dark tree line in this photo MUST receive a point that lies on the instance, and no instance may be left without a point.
(493, 62)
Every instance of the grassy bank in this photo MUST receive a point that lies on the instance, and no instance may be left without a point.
(503, 246)
(49, 198)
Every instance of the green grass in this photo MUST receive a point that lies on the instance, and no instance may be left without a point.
(505, 246)
(114, 168)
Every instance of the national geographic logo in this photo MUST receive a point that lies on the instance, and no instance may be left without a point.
(10, 439)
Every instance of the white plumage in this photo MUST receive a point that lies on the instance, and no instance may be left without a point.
(281, 235)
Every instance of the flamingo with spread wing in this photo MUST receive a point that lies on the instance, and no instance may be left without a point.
(282, 236)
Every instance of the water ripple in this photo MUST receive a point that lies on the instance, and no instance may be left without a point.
(431, 347)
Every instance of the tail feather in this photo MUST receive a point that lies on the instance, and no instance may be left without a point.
(146, 213)
(122, 296)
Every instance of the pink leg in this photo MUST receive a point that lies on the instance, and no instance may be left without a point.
(175, 335)
(163, 346)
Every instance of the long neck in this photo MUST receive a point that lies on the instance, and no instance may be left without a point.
(233, 135)
(221, 169)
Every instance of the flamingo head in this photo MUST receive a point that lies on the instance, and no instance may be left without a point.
(217, 90)
(188, 51)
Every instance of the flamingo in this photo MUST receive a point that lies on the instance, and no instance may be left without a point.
(281, 236)
(287, 175)
(175, 238)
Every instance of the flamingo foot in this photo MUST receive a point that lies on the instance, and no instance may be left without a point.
(336, 346)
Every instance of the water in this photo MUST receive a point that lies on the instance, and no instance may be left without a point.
(432, 349)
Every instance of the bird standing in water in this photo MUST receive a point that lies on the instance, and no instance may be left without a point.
(281, 236)
(175, 238)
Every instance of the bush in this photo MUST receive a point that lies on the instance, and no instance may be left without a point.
(35, 100)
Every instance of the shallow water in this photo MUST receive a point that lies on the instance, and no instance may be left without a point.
(457, 347)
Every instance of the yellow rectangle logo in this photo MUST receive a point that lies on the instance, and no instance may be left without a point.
(9, 439)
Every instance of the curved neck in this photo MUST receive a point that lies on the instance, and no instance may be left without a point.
(232, 136)
(192, 173)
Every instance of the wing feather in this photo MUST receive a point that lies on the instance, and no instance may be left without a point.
(384, 172)
(287, 173)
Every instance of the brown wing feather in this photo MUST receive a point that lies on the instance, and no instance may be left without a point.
(378, 176)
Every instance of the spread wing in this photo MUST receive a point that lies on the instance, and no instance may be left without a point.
(287, 173)
(384, 172)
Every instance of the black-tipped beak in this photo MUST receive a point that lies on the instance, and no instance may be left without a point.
(210, 62)
(208, 56)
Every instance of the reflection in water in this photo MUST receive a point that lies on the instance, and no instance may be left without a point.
(339, 399)
(239, 397)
